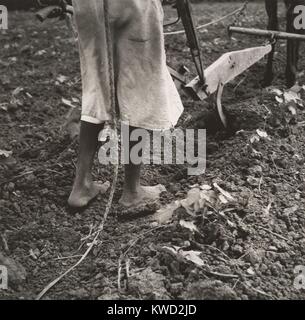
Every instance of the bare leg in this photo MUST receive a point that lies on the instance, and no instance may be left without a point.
(133, 193)
(291, 69)
(84, 189)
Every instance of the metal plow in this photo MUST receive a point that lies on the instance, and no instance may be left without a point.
(209, 81)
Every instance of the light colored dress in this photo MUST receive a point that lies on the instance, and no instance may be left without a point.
(146, 94)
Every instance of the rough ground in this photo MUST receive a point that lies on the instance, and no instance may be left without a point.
(241, 248)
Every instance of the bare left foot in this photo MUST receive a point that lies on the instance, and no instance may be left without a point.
(82, 195)
(142, 196)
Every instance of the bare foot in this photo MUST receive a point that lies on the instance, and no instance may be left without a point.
(142, 196)
(81, 196)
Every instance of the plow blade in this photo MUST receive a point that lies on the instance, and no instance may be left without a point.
(225, 69)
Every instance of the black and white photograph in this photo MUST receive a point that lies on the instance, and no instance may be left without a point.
(152, 153)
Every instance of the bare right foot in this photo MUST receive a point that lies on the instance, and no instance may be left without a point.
(142, 196)
(82, 195)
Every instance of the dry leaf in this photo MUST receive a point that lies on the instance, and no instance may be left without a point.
(292, 110)
(291, 96)
(254, 138)
(276, 91)
(5, 154)
(192, 196)
(193, 256)
(266, 210)
(205, 187)
(188, 225)
(4, 106)
(191, 203)
(231, 224)
(223, 199)
(251, 271)
(294, 97)
(291, 210)
(61, 78)
(165, 214)
(279, 99)
(17, 91)
(40, 53)
(209, 196)
(262, 133)
(296, 88)
(223, 192)
(68, 103)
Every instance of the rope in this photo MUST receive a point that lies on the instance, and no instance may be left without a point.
(237, 11)
(116, 168)
(240, 13)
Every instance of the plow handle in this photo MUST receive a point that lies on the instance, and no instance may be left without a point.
(48, 12)
(267, 33)
(53, 12)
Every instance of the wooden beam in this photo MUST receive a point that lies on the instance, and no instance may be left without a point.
(267, 33)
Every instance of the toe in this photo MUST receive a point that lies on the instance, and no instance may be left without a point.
(81, 197)
(148, 194)
(102, 187)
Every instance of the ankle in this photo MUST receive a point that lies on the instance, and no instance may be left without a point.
(83, 182)
(133, 191)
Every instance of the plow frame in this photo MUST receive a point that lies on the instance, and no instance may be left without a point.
(212, 79)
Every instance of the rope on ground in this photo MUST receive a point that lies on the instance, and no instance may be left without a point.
(116, 167)
(93, 243)
(242, 8)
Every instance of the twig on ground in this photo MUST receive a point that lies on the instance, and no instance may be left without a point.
(202, 246)
(62, 153)
(119, 273)
(5, 245)
(127, 265)
(235, 284)
(248, 286)
(222, 275)
(276, 167)
(54, 171)
(139, 237)
(17, 177)
(89, 235)
(273, 233)
(69, 257)
(127, 274)
(243, 255)
(260, 184)
(13, 179)
(127, 261)
(92, 244)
